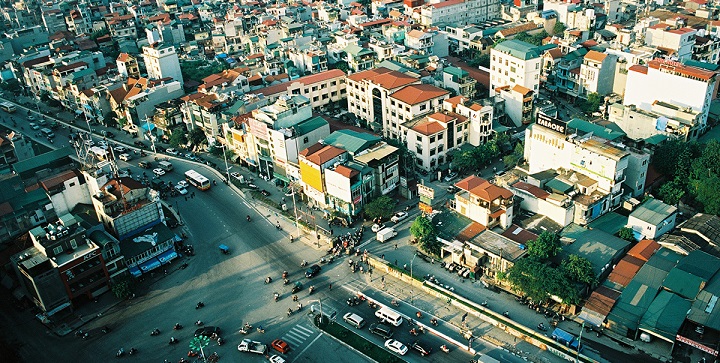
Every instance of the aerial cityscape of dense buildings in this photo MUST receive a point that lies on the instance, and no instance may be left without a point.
(562, 152)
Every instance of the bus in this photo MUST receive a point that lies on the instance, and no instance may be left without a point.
(8, 107)
(196, 179)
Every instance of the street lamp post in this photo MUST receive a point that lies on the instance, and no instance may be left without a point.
(152, 139)
(297, 225)
(412, 282)
(227, 169)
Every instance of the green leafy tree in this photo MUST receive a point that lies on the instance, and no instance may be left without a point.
(178, 138)
(341, 65)
(547, 245)
(424, 232)
(673, 191)
(381, 207)
(197, 70)
(592, 103)
(11, 85)
(578, 269)
(627, 234)
(122, 289)
(197, 136)
(484, 60)
(464, 161)
(516, 157)
(559, 28)
(529, 275)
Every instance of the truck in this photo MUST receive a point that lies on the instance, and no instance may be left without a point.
(566, 338)
(251, 346)
(386, 234)
(165, 165)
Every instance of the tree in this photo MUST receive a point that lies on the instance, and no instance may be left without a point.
(197, 136)
(381, 207)
(529, 276)
(592, 103)
(559, 28)
(11, 85)
(516, 157)
(341, 65)
(672, 192)
(578, 269)
(484, 60)
(547, 245)
(178, 138)
(424, 232)
(122, 289)
(464, 161)
(627, 234)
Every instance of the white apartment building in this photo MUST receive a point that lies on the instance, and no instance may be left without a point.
(368, 92)
(668, 81)
(457, 12)
(515, 62)
(663, 118)
(676, 43)
(409, 103)
(597, 73)
(161, 61)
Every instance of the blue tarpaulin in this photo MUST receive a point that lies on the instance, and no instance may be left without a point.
(167, 256)
(149, 265)
(134, 271)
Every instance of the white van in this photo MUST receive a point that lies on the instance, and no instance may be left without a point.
(389, 316)
(165, 165)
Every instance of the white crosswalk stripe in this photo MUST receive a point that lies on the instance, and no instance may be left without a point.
(298, 335)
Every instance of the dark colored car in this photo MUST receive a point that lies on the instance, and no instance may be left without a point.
(421, 348)
(108, 134)
(139, 144)
(207, 331)
(382, 330)
(265, 193)
(145, 164)
(312, 271)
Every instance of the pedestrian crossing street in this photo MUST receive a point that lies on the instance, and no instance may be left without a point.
(297, 336)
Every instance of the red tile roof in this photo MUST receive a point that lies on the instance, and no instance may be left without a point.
(325, 154)
(384, 77)
(447, 3)
(681, 68)
(535, 191)
(625, 270)
(428, 128)
(417, 93)
(638, 68)
(346, 172)
(483, 188)
(644, 249)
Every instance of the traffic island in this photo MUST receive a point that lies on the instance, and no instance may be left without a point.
(356, 341)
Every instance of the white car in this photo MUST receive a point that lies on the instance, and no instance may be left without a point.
(125, 157)
(102, 144)
(31, 118)
(235, 175)
(377, 227)
(183, 184)
(34, 126)
(171, 151)
(276, 359)
(159, 172)
(119, 149)
(399, 216)
(181, 189)
(396, 346)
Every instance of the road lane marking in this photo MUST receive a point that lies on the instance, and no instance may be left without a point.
(306, 348)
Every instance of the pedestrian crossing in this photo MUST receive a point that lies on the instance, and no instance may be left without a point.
(298, 335)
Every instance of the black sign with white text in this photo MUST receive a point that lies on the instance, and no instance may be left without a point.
(551, 123)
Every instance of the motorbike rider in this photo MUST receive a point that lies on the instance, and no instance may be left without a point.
(248, 218)
(199, 323)
(290, 311)
(277, 296)
(299, 306)
(303, 264)
(120, 352)
(268, 280)
(177, 326)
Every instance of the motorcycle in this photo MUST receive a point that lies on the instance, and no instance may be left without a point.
(199, 305)
(173, 341)
(199, 323)
(248, 218)
(413, 332)
(220, 341)
(244, 331)
(276, 296)
(260, 330)
(506, 314)
(290, 311)
(105, 330)
(286, 281)
(177, 326)
(419, 315)
(444, 348)
(132, 351)
(299, 307)
(303, 263)
(155, 332)
(268, 280)
(311, 290)
(395, 303)
(193, 353)
(541, 327)
(434, 322)
(285, 274)
(120, 353)
(372, 304)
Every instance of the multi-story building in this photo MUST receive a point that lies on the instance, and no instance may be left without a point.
(516, 62)
(518, 103)
(204, 110)
(320, 89)
(312, 60)
(368, 92)
(408, 103)
(384, 160)
(136, 99)
(122, 26)
(430, 138)
(54, 21)
(457, 12)
(460, 81)
(484, 202)
(706, 49)
(62, 268)
(286, 143)
(597, 73)
(420, 41)
(663, 118)
(676, 42)
(161, 61)
(593, 168)
(228, 82)
(127, 66)
(349, 187)
(313, 163)
(668, 81)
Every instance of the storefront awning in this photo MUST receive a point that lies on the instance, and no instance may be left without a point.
(150, 265)
(134, 271)
(167, 256)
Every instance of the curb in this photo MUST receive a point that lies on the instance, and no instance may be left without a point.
(349, 346)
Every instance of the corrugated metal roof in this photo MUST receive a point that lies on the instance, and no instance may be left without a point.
(665, 315)
(653, 212)
(351, 141)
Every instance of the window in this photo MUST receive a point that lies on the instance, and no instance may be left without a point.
(57, 250)
(419, 139)
(73, 244)
(423, 107)
(305, 140)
